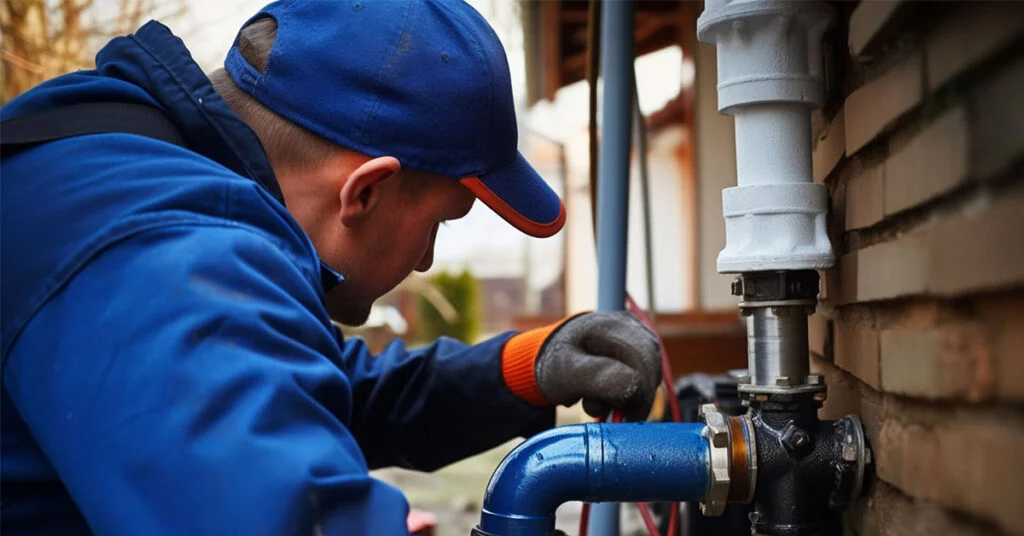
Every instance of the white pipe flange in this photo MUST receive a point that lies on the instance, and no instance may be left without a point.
(768, 50)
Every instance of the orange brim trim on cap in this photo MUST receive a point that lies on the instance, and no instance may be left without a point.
(509, 214)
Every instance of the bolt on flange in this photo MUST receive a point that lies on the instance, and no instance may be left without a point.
(796, 440)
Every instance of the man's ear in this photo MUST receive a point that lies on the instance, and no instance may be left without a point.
(361, 193)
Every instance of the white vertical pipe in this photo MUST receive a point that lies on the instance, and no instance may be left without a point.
(766, 140)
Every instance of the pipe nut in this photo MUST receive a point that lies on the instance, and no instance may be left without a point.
(718, 428)
(717, 432)
(796, 440)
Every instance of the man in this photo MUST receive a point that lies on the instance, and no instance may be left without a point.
(169, 362)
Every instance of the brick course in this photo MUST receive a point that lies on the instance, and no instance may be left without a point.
(931, 164)
(875, 106)
(968, 36)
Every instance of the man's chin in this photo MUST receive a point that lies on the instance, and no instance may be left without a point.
(353, 319)
(344, 310)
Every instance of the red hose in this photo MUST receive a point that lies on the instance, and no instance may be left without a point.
(649, 521)
(666, 378)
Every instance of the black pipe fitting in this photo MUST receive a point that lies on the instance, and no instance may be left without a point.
(807, 468)
(776, 286)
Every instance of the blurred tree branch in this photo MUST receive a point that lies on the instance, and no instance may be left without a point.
(41, 39)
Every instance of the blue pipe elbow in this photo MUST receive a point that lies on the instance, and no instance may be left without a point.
(622, 462)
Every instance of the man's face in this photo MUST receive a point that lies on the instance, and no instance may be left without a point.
(393, 241)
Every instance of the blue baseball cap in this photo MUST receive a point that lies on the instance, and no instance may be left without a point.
(424, 81)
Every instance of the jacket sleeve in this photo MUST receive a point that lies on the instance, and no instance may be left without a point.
(187, 381)
(426, 408)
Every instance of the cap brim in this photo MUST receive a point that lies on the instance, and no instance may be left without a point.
(520, 196)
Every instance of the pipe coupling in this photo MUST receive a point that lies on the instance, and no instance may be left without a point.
(717, 433)
(732, 460)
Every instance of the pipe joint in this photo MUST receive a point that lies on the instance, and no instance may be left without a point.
(808, 469)
(769, 51)
(732, 454)
(774, 222)
(717, 433)
(775, 306)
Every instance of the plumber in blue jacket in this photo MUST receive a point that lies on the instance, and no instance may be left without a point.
(169, 361)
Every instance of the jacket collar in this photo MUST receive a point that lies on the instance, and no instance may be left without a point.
(182, 89)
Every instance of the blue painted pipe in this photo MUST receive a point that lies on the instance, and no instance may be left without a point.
(622, 462)
(613, 162)
(613, 185)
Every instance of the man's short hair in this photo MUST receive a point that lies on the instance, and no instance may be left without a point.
(287, 144)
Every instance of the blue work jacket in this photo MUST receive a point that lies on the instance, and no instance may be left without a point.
(168, 363)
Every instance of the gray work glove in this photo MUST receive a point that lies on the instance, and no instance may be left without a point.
(610, 360)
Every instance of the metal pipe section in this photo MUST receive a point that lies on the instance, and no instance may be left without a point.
(613, 186)
(595, 462)
(777, 352)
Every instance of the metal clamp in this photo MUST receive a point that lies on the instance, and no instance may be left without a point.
(717, 432)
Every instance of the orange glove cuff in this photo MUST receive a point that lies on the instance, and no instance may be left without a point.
(518, 363)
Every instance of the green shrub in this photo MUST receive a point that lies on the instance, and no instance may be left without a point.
(462, 292)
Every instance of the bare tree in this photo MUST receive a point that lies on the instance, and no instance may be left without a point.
(41, 39)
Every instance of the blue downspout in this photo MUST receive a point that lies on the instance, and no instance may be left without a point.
(613, 185)
(627, 462)
(613, 164)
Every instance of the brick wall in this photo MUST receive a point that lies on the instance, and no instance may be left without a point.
(921, 330)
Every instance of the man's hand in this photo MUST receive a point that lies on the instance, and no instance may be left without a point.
(609, 360)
